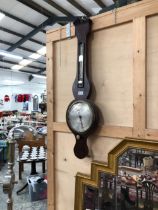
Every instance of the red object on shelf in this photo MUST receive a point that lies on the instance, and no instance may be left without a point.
(23, 97)
(19, 98)
(6, 98)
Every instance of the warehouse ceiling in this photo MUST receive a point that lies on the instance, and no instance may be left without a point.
(23, 24)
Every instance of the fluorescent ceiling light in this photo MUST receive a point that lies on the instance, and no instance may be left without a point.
(42, 51)
(35, 56)
(2, 15)
(25, 62)
(16, 67)
(12, 82)
(10, 55)
(39, 76)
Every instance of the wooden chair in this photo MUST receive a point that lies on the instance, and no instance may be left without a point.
(31, 143)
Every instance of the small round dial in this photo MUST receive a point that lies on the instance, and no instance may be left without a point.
(81, 116)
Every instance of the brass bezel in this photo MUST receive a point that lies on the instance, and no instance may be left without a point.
(110, 167)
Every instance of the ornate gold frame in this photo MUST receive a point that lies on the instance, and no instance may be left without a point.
(111, 167)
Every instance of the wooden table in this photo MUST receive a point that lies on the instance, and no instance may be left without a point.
(33, 167)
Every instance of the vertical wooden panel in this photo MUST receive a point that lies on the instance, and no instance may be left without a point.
(139, 76)
(67, 165)
(50, 134)
(65, 54)
(107, 63)
(110, 66)
(152, 72)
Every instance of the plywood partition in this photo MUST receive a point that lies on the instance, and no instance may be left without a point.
(123, 52)
(152, 72)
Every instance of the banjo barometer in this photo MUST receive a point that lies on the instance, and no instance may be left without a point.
(82, 114)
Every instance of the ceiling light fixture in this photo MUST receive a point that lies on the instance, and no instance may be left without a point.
(16, 67)
(35, 56)
(10, 55)
(2, 15)
(39, 76)
(25, 62)
(42, 51)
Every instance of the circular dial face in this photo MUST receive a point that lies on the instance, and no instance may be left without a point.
(80, 116)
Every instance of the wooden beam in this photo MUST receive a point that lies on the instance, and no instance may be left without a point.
(50, 134)
(139, 76)
(151, 134)
(106, 131)
(114, 131)
(107, 19)
(79, 7)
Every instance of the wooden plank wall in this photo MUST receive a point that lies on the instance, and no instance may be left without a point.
(123, 52)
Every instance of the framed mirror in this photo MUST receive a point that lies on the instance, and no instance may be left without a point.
(129, 181)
